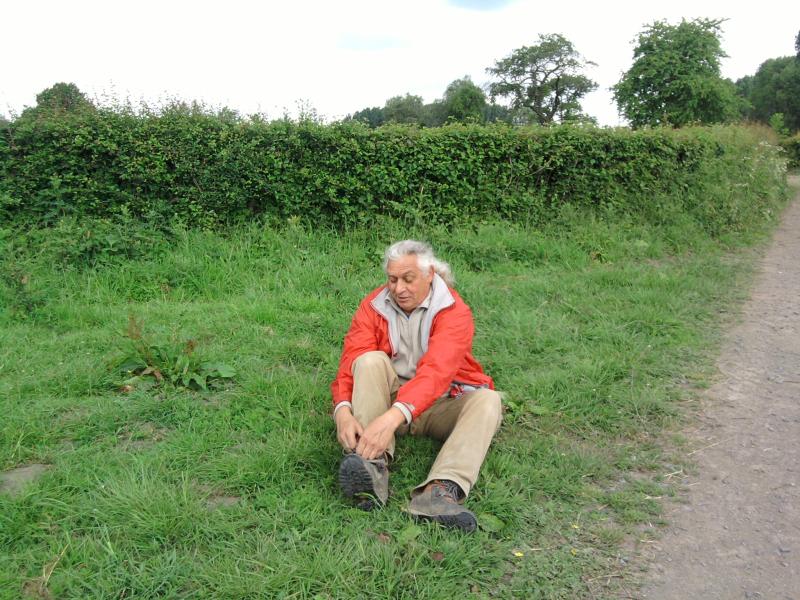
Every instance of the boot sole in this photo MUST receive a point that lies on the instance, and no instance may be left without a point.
(464, 521)
(356, 482)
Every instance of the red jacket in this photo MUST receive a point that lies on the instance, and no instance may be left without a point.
(447, 364)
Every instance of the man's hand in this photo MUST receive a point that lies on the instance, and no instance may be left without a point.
(348, 429)
(374, 440)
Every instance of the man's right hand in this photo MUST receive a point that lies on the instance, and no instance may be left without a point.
(348, 429)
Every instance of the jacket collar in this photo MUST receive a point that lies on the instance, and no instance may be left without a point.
(440, 299)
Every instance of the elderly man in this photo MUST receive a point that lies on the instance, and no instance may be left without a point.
(407, 367)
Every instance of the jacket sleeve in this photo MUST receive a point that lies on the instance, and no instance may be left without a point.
(449, 343)
(360, 338)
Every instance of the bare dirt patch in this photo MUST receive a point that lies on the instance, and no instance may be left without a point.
(13, 481)
(217, 499)
(142, 436)
(36, 589)
(736, 531)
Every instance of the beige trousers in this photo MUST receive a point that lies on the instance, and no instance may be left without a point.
(465, 424)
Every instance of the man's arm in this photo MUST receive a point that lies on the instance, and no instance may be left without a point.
(374, 440)
(348, 429)
(361, 337)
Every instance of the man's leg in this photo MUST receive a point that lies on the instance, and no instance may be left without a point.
(375, 385)
(467, 425)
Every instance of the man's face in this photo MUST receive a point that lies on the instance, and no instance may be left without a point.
(408, 285)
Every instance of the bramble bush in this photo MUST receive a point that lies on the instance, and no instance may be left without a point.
(184, 166)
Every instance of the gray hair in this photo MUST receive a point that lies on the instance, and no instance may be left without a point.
(425, 258)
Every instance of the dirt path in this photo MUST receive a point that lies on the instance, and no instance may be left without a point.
(738, 534)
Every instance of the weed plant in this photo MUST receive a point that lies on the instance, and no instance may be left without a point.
(144, 363)
(597, 329)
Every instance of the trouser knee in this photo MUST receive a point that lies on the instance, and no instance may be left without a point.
(488, 405)
(374, 359)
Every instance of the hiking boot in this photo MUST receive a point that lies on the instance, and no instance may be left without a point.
(365, 480)
(440, 501)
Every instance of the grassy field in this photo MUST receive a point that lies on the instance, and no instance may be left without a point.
(597, 330)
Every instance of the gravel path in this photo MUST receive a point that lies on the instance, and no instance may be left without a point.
(738, 534)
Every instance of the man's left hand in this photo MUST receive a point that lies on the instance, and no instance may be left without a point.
(378, 434)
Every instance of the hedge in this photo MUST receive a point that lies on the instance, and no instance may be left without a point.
(792, 147)
(203, 169)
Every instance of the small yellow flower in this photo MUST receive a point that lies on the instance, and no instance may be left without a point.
(518, 554)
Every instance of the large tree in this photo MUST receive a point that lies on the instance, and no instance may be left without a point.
(675, 77)
(543, 83)
(775, 88)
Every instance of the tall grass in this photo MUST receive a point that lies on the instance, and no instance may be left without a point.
(595, 328)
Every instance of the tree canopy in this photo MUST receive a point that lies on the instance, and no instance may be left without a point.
(543, 83)
(675, 77)
(774, 89)
(58, 98)
(372, 116)
(62, 97)
(404, 109)
(464, 101)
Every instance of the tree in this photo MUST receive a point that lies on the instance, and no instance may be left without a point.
(775, 88)
(62, 97)
(373, 117)
(797, 45)
(543, 82)
(463, 101)
(744, 90)
(497, 113)
(675, 77)
(404, 109)
(433, 114)
(57, 99)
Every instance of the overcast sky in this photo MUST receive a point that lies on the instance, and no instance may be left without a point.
(338, 55)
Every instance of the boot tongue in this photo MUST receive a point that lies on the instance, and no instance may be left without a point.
(445, 489)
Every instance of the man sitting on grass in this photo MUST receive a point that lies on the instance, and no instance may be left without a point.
(407, 366)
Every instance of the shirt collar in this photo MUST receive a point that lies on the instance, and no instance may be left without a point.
(425, 304)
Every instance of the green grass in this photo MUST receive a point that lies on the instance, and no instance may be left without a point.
(597, 330)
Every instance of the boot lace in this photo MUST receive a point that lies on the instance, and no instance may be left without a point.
(447, 489)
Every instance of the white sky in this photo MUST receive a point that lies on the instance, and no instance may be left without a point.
(338, 56)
